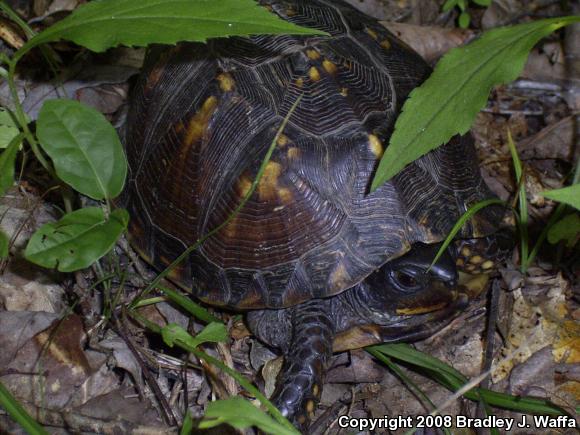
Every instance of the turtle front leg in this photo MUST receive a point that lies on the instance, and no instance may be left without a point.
(305, 333)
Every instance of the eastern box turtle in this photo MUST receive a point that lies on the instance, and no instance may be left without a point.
(319, 263)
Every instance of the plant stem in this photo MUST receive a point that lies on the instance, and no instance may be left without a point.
(21, 118)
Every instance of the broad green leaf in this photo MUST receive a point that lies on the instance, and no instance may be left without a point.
(568, 228)
(187, 426)
(449, 4)
(241, 414)
(484, 3)
(447, 103)
(77, 240)
(84, 147)
(18, 413)
(568, 195)
(100, 25)
(464, 19)
(4, 245)
(187, 304)
(213, 333)
(7, 162)
(8, 128)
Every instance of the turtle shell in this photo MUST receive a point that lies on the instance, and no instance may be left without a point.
(201, 119)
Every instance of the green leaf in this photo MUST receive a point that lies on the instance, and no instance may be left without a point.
(4, 245)
(568, 228)
(484, 3)
(213, 333)
(8, 128)
(449, 4)
(100, 25)
(241, 414)
(84, 147)
(464, 19)
(447, 103)
(77, 240)
(187, 426)
(187, 304)
(568, 195)
(7, 162)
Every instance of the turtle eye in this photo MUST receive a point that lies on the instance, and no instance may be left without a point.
(407, 279)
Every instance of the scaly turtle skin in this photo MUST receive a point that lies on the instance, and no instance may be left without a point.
(312, 255)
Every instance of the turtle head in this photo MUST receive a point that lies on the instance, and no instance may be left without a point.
(406, 299)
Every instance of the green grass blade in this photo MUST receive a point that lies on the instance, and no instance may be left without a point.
(461, 221)
(522, 203)
(454, 380)
(189, 305)
(18, 413)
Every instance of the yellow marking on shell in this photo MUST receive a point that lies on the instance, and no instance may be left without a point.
(285, 195)
(310, 406)
(339, 277)
(420, 310)
(470, 268)
(459, 262)
(268, 185)
(293, 153)
(243, 186)
(282, 140)
(376, 146)
(329, 66)
(226, 81)
(290, 12)
(198, 122)
(314, 74)
(465, 251)
(344, 92)
(386, 44)
(312, 54)
(300, 82)
(315, 390)
(476, 259)
(301, 419)
(371, 33)
(488, 264)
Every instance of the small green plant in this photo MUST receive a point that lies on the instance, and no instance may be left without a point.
(464, 16)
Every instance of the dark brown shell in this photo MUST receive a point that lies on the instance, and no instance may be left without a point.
(201, 119)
